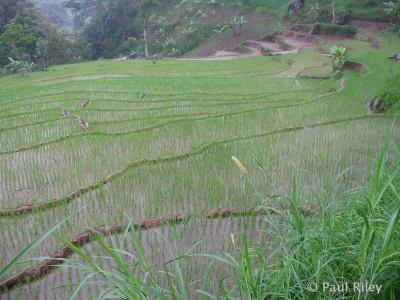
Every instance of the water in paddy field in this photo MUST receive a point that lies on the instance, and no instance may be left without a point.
(212, 236)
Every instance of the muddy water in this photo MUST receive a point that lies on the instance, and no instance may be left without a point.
(213, 236)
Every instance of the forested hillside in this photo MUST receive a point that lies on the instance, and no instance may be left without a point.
(110, 29)
(56, 12)
(28, 40)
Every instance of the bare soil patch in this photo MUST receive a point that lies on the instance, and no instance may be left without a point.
(296, 40)
(353, 66)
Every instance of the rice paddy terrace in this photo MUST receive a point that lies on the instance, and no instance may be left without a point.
(169, 154)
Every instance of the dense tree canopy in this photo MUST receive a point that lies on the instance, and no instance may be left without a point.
(20, 38)
(108, 30)
(9, 9)
(26, 35)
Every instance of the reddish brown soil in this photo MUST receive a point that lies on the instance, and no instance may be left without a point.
(353, 66)
(297, 39)
(369, 29)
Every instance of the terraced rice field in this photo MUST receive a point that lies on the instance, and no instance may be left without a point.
(170, 153)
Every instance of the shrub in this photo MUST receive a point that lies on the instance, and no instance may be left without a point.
(396, 29)
(266, 51)
(391, 92)
(302, 27)
(241, 49)
(388, 98)
(19, 67)
(332, 29)
(281, 42)
(270, 37)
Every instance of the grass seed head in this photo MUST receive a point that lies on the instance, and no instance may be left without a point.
(241, 167)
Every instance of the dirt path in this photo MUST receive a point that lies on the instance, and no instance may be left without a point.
(297, 40)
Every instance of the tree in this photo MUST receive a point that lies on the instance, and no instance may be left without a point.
(20, 38)
(9, 9)
(108, 30)
(59, 45)
(334, 11)
(84, 10)
(42, 50)
(146, 8)
(238, 23)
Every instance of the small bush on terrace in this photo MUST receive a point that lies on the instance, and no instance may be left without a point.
(332, 29)
(391, 92)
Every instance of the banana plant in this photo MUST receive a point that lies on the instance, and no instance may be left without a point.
(13, 65)
(20, 67)
(393, 10)
(339, 58)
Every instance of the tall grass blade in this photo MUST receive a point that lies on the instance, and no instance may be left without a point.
(33, 245)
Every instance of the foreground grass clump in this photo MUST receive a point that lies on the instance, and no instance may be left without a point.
(350, 238)
(391, 91)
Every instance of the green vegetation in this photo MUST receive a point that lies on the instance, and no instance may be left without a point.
(331, 29)
(371, 10)
(208, 178)
(19, 67)
(171, 153)
(266, 51)
(241, 49)
(391, 92)
(28, 38)
(281, 42)
(350, 241)
(20, 38)
(353, 239)
(56, 12)
(393, 10)
(110, 29)
(339, 58)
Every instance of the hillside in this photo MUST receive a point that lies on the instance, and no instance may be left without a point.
(177, 28)
(194, 26)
